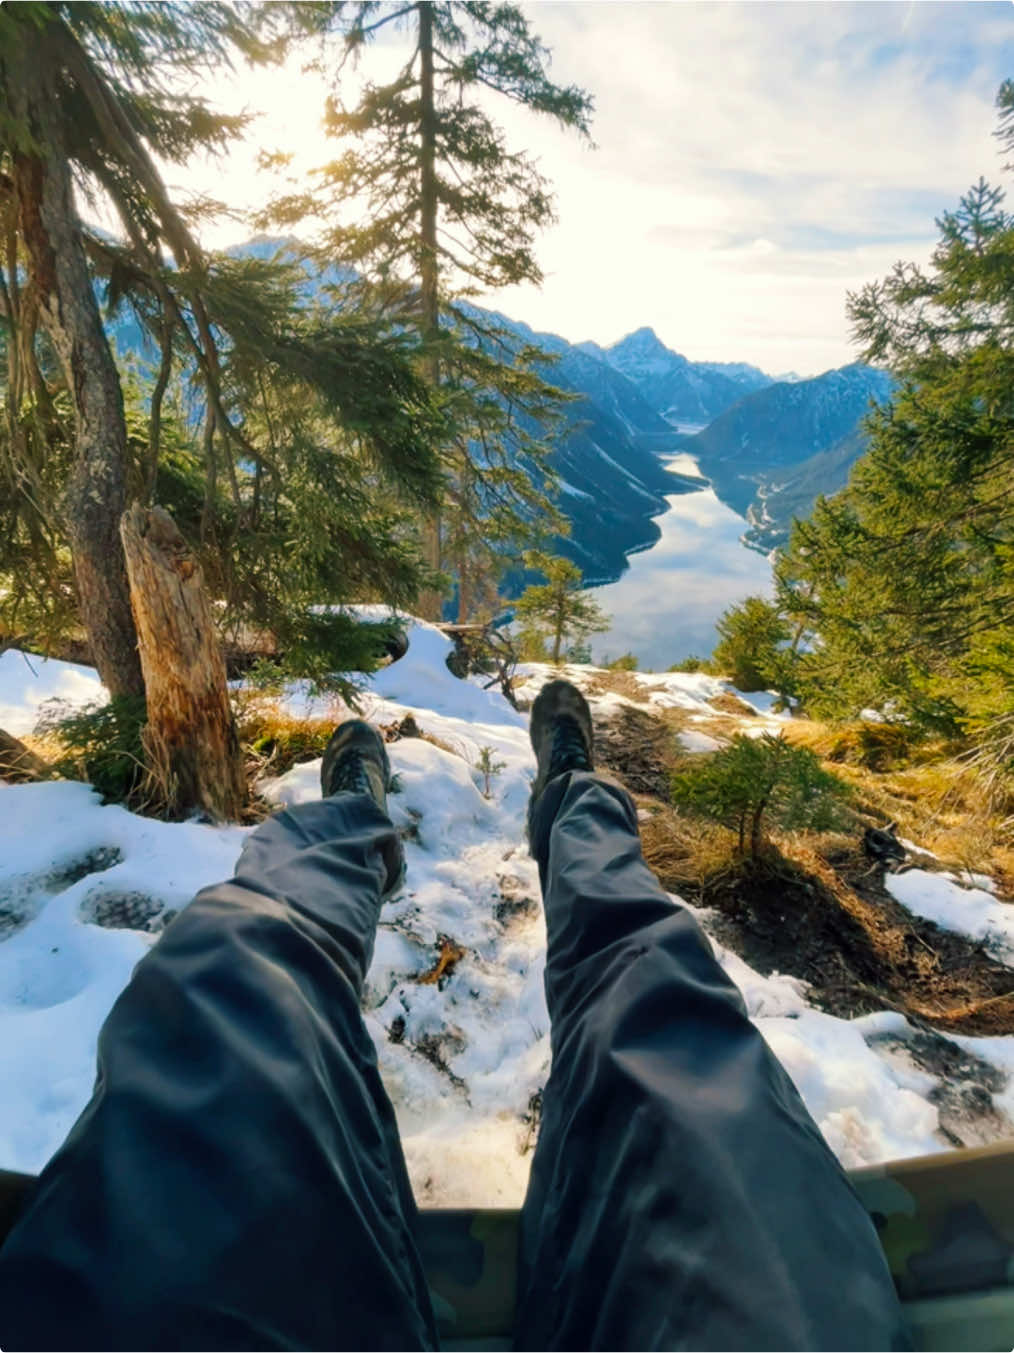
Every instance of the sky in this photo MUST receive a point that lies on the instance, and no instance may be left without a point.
(751, 163)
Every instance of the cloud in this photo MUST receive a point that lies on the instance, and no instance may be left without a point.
(753, 162)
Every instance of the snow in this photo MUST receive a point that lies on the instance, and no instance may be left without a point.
(464, 1058)
(974, 912)
(692, 741)
(62, 854)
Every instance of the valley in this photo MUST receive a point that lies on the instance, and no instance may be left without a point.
(664, 606)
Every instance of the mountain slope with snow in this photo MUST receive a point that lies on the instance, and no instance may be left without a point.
(684, 392)
(464, 1050)
(771, 454)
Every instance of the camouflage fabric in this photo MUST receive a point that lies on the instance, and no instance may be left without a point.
(946, 1223)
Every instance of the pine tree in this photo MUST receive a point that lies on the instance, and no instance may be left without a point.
(85, 93)
(754, 781)
(904, 582)
(750, 650)
(451, 211)
(558, 607)
(90, 93)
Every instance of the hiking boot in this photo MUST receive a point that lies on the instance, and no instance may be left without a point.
(356, 762)
(561, 734)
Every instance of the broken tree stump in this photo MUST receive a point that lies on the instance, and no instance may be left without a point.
(194, 760)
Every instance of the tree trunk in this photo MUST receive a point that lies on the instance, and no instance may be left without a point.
(191, 741)
(430, 600)
(18, 764)
(96, 493)
(755, 828)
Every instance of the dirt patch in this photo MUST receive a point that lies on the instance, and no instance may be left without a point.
(833, 923)
(616, 683)
(516, 902)
(638, 748)
(727, 703)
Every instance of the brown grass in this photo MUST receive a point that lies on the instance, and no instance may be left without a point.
(935, 800)
(617, 683)
(687, 854)
(727, 703)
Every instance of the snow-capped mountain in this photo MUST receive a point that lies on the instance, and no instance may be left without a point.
(680, 390)
(777, 449)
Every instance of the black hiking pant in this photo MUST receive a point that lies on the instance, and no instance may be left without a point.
(237, 1181)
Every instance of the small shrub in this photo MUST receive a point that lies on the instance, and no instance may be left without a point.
(488, 766)
(99, 743)
(757, 781)
(580, 653)
(626, 662)
(691, 663)
(559, 609)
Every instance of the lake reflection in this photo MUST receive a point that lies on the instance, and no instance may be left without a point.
(666, 604)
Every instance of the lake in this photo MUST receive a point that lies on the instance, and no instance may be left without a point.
(666, 604)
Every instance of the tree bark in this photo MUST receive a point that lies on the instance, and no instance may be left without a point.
(18, 764)
(97, 492)
(430, 600)
(558, 633)
(190, 739)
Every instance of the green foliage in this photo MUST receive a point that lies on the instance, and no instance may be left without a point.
(750, 650)
(294, 447)
(759, 781)
(451, 211)
(488, 766)
(691, 663)
(579, 653)
(323, 647)
(100, 744)
(903, 584)
(558, 608)
(626, 662)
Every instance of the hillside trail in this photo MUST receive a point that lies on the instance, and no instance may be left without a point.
(884, 998)
(845, 983)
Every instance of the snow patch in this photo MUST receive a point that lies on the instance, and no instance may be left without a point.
(967, 911)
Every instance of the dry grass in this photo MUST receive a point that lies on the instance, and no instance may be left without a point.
(687, 855)
(935, 800)
(617, 683)
(276, 741)
(727, 703)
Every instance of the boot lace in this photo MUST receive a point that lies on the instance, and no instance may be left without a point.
(570, 750)
(349, 775)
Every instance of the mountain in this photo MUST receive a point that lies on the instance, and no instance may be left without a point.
(680, 390)
(612, 482)
(771, 454)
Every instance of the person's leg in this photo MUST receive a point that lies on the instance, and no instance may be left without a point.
(237, 1179)
(681, 1196)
